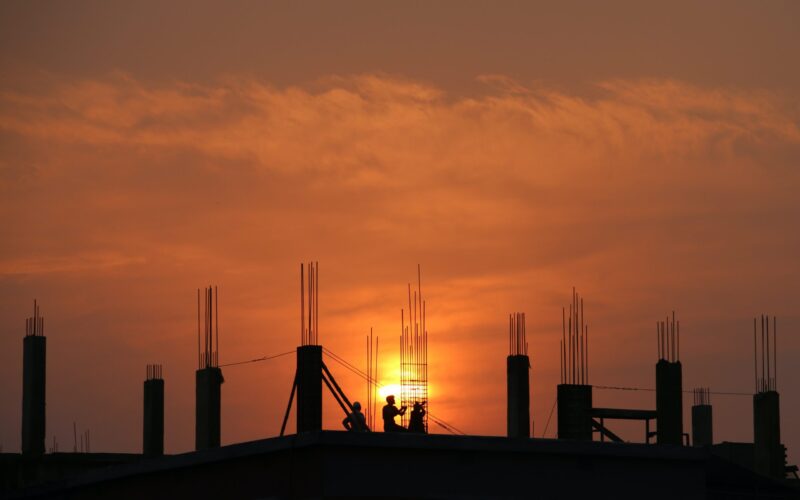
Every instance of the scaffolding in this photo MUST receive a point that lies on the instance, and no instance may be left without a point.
(414, 354)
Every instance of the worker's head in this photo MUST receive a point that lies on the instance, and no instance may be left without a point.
(390, 399)
(356, 406)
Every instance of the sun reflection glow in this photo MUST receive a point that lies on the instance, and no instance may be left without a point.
(389, 389)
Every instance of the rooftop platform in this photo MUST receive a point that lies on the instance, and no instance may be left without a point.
(378, 465)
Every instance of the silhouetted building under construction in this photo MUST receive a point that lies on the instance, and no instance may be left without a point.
(316, 463)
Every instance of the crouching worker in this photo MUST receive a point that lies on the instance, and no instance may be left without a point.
(389, 412)
(355, 421)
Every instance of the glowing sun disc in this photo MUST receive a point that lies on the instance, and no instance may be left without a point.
(388, 389)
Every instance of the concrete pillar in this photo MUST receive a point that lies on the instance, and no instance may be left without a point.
(518, 411)
(669, 402)
(34, 351)
(207, 407)
(767, 448)
(702, 426)
(309, 388)
(574, 412)
(153, 432)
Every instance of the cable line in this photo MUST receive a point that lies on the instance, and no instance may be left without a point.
(265, 358)
(647, 389)
(549, 417)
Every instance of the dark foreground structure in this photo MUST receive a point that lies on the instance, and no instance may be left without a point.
(336, 464)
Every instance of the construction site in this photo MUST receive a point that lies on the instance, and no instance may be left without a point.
(673, 458)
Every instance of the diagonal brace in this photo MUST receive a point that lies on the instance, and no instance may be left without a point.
(607, 433)
(289, 406)
(338, 389)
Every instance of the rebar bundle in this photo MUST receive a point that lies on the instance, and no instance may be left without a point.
(208, 343)
(34, 326)
(701, 396)
(309, 332)
(768, 379)
(370, 410)
(517, 340)
(668, 338)
(154, 372)
(574, 343)
(414, 353)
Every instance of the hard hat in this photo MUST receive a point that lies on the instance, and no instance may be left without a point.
(356, 406)
(390, 398)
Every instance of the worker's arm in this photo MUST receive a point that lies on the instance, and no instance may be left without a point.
(347, 423)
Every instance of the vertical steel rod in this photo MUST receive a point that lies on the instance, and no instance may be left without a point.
(762, 352)
(755, 357)
(216, 313)
(775, 353)
(199, 353)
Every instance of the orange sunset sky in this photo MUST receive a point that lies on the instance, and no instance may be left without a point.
(646, 153)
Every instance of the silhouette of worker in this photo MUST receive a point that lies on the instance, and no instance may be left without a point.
(355, 421)
(389, 412)
(416, 422)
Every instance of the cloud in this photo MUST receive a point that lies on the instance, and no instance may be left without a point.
(120, 167)
(384, 115)
(72, 264)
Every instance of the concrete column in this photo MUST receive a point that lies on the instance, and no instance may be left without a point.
(207, 407)
(153, 432)
(767, 448)
(702, 425)
(309, 388)
(34, 351)
(518, 411)
(669, 402)
(574, 412)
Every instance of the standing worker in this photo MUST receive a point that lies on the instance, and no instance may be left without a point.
(416, 423)
(389, 412)
(355, 421)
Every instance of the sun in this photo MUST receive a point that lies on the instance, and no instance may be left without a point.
(389, 389)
